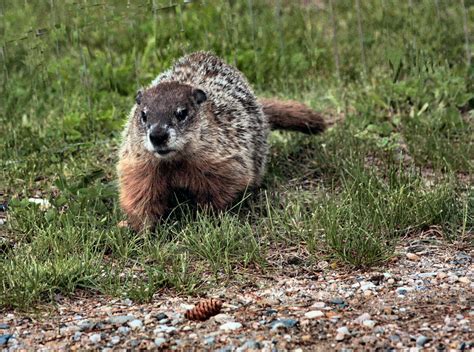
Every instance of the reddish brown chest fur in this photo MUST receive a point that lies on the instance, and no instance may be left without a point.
(148, 185)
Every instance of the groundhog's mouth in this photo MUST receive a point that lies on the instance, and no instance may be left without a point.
(163, 152)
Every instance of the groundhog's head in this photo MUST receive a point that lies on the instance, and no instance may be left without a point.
(167, 117)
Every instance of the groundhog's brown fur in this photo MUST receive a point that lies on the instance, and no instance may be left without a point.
(199, 128)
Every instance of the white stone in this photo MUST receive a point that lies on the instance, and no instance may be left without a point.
(159, 341)
(364, 286)
(135, 324)
(343, 330)
(43, 203)
(319, 305)
(314, 314)
(362, 318)
(464, 280)
(95, 338)
(222, 318)
(369, 323)
(231, 325)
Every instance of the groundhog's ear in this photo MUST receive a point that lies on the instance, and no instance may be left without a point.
(199, 95)
(138, 97)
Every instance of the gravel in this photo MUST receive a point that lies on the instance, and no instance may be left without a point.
(406, 304)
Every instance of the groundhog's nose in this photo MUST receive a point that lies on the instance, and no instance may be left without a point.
(158, 136)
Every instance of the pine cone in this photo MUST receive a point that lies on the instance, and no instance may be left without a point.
(204, 310)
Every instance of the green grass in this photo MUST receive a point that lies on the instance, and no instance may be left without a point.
(400, 163)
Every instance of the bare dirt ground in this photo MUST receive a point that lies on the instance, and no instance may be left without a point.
(421, 299)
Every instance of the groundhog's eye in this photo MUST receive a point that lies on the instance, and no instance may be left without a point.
(143, 116)
(181, 114)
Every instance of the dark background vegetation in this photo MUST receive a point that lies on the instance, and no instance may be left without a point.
(399, 72)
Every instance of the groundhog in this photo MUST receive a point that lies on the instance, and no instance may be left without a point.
(199, 128)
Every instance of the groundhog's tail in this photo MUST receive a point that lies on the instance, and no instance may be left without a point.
(292, 115)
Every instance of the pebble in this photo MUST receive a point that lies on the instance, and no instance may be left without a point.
(127, 301)
(5, 338)
(4, 326)
(123, 330)
(360, 319)
(223, 318)
(249, 345)
(426, 275)
(364, 286)
(210, 340)
(95, 338)
(422, 340)
(369, 323)
(85, 325)
(77, 336)
(135, 324)
(161, 316)
(121, 319)
(464, 280)
(159, 341)
(402, 291)
(314, 314)
(231, 325)
(340, 336)
(115, 340)
(339, 302)
(442, 275)
(319, 305)
(394, 338)
(283, 323)
(271, 311)
(368, 293)
(164, 328)
(343, 330)
(413, 256)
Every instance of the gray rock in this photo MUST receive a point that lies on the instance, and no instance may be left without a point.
(86, 325)
(249, 345)
(271, 311)
(124, 330)
(210, 340)
(339, 302)
(343, 330)
(95, 338)
(402, 291)
(135, 324)
(4, 326)
(283, 323)
(134, 342)
(77, 336)
(115, 340)
(361, 318)
(159, 341)
(394, 338)
(369, 323)
(422, 340)
(161, 316)
(121, 319)
(5, 338)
